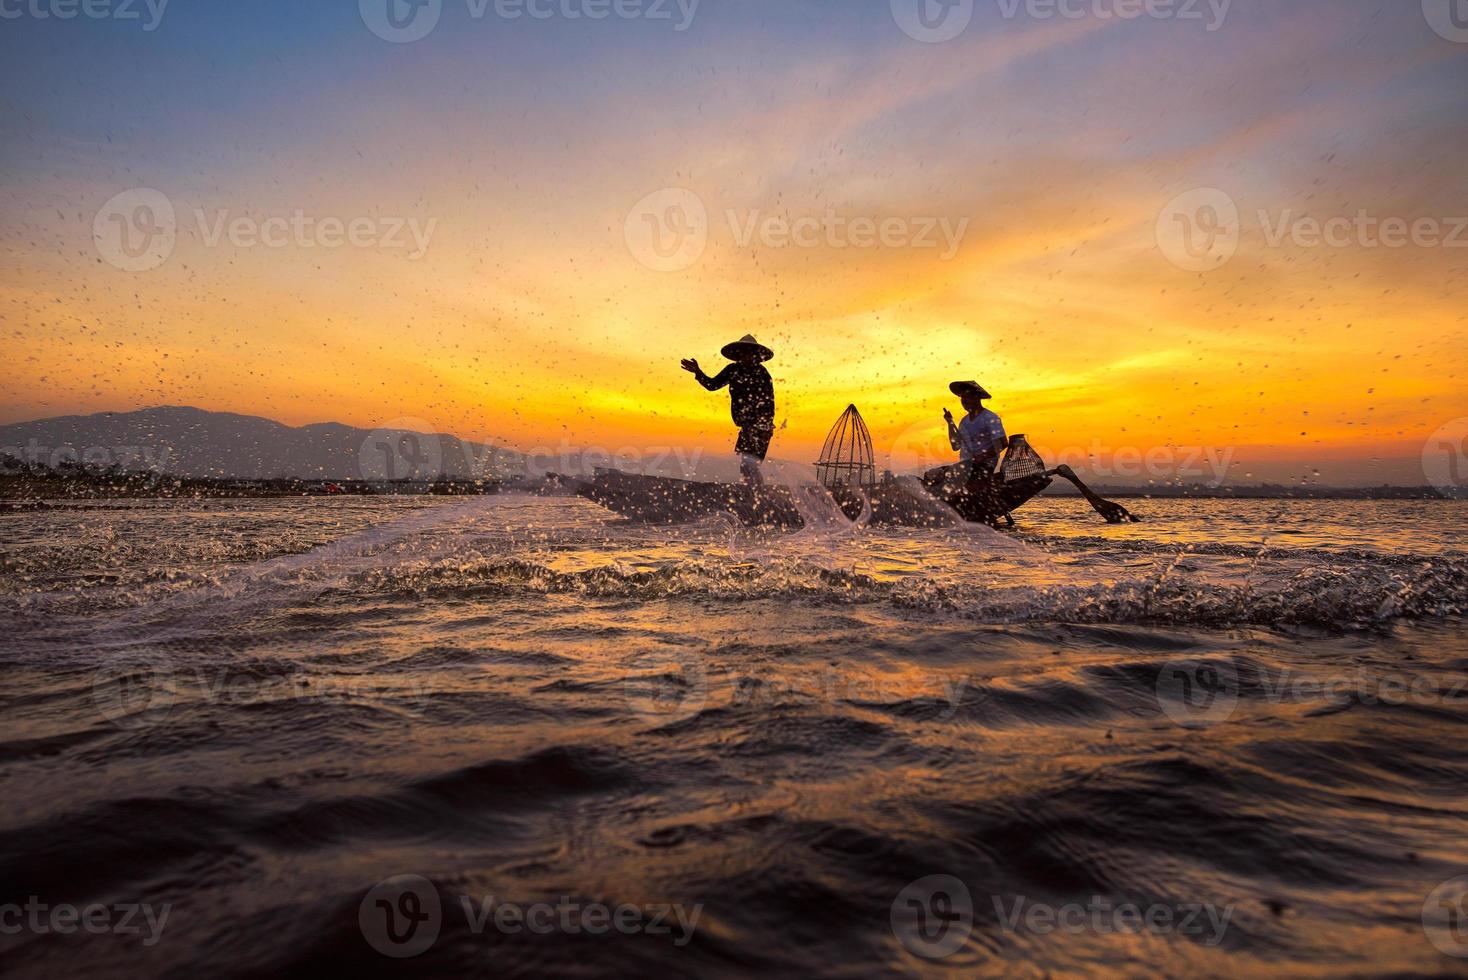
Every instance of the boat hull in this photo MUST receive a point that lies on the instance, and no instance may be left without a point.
(658, 500)
(655, 500)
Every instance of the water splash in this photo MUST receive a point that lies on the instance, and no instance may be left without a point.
(259, 587)
(980, 538)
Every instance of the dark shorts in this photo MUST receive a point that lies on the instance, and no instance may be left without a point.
(961, 474)
(754, 442)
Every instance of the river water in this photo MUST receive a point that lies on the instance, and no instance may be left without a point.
(516, 736)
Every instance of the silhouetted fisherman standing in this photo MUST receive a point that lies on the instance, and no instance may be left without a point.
(751, 400)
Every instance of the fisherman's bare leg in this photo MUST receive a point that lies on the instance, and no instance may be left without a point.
(750, 469)
(753, 444)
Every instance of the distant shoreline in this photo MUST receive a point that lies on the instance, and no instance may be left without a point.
(1262, 492)
(134, 486)
(33, 491)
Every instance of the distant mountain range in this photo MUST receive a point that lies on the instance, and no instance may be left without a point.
(197, 444)
(192, 442)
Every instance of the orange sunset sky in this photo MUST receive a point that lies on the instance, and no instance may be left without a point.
(1059, 144)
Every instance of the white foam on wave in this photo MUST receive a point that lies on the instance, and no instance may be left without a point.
(255, 587)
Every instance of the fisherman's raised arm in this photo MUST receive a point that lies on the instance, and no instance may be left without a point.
(718, 381)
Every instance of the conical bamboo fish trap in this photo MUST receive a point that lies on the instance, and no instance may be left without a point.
(1021, 462)
(847, 459)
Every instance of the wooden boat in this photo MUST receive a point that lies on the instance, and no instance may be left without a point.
(847, 472)
(892, 503)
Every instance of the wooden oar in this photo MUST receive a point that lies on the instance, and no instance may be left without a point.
(1112, 512)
